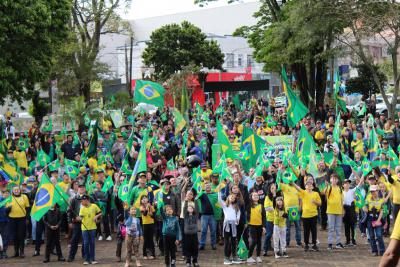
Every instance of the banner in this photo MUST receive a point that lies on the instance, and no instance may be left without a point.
(276, 144)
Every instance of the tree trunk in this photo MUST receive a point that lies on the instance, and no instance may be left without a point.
(301, 76)
(320, 83)
(311, 82)
(85, 90)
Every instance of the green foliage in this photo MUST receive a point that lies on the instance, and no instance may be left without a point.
(174, 46)
(364, 83)
(78, 64)
(31, 32)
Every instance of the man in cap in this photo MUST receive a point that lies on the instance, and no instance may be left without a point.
(118, 150)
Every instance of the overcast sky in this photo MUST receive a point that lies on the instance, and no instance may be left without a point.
(152, 8)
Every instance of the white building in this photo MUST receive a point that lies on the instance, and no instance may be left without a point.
(217, 23)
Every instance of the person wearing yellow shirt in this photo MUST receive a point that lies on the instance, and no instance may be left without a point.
(373, 208)
(394, 180)
(269, 211)
(89, 214)
(392, 254)
(357, 145)
(65, 183)
(20, 158)
(334, 210)
(279, 234)
(205, 172)
(256, 223)
(17, 225)
(147, 210)
(291, 199)
(310, 201)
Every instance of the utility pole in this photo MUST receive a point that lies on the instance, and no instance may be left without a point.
(130, 68)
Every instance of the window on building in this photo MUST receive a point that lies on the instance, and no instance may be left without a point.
(250, 61)
(240, 60)
(229, 60)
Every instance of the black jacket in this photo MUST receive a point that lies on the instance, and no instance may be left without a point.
(52, 218)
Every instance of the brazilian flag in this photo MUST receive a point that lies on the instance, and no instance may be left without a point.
(366, 167)
(242, 251)
(123, 191)
(150, 93)
(294, 214)
(359, 200)
(72, 171)
(45, 198)
(197, 184)
(288, 176)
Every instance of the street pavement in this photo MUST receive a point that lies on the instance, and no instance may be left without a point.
(358, 256)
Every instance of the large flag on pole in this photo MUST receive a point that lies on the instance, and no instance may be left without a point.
(251, 143)
(295, 109)
(150, 93)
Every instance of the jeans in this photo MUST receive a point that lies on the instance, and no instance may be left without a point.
(334, 225)
(88, 244)
(38, 233)
(4, 234)
(76, 235)
(208, 221)
(269, 227)
(279, 239)
(34, 223)
(375, 234)
(297, 231)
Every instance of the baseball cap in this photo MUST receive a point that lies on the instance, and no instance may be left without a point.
(85, 197)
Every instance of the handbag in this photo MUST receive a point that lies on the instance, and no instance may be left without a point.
(376, 224)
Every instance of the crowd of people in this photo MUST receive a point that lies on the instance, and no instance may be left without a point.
(250, 210)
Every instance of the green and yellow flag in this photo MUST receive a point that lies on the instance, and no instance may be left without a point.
(252, 144)
(43, 158)
(224, 141)
(45, 198)
(92, 149)
(179, 121)
(242, 251)
(150, 93)
(117, 118)
(296, 110)
(123, 191)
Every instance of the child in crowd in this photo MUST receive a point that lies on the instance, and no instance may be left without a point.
(147, 210)
(256, 220)
(280, 229)
(133, 235)
(310, 201)
(191, 242)
(231, 220)
(171, 235)
(121, 234)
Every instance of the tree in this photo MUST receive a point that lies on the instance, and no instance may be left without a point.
(31, 32)
(175, 46)
(365, 83)
(90, 20)
(371, 19)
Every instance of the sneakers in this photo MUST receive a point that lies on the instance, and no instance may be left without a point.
(354, 243)
(285, 255)
(94, 262)
(109, 238)
(188, 265)
(339, 246)
(299, 245)
(173, 262)
(306, 248)
(277, 255)
(236, 260)
(85, 263)
(100, 238)
(258, 260)
(227, 261)
(265, 254)
(330, 247)
(251, 260)
(314, 248)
